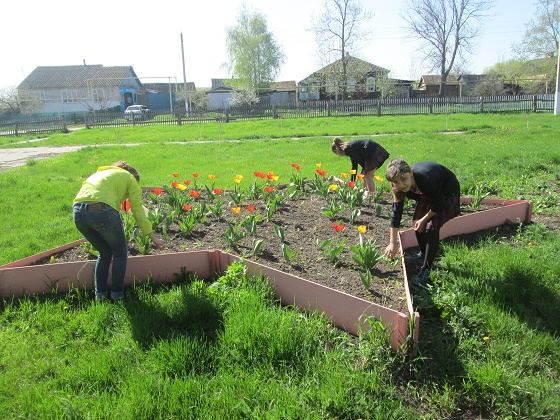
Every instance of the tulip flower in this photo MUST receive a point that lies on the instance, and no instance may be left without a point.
(351, 184)
(250, 208)
(344, 175)
(187, 182)
(235, 210)
(338, 228)
(195, 194)
(269, 189)
(333, 187)
(378, 178)
(212, 177)
(176, 175)
(217, 191)
(195, 175)
(174, 184)
(359, 177)
(158, 191)
(362, 229)
(187, 207)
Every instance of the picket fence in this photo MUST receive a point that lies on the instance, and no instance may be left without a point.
(324, 109)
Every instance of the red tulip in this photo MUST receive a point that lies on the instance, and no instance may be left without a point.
(187, 182)
(125, 205)
(176, 175)
(158, 191)
(195, 175)
(195, 194)
(338, 228)
(186, 207)
(218, 191)
(250, 208)
(269, 189)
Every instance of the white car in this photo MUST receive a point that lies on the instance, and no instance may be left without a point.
(137, 112)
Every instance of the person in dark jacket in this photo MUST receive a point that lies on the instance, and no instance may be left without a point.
(436, 191)
(364, 152)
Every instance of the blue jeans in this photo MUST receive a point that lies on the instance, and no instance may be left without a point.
(102, 226)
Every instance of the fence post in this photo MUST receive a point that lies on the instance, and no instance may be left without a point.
(274, 114)
(178, 118)
(227, 114)
(534, 103)
(64, 128)
(17, 128)
(328, 110)
(481, 105)
(431, 105)
(379, 108)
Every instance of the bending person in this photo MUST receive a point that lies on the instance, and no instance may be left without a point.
(96, 215)
(436, 190)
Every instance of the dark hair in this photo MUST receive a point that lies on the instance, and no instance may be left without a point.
(124, 165)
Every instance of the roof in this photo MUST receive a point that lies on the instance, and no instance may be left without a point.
(435, 79)
(354, 62)
(164, 87)
(76, 76)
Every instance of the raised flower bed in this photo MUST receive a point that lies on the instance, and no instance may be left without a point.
(338, 298)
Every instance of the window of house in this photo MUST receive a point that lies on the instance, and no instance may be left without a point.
(98, 95)
(331, 86)
(69, 95)
(41, 95)
(351, 84)
(370, 84)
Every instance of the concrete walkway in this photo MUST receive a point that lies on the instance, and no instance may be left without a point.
(12, 158)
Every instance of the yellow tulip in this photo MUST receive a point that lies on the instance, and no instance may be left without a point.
(333, 187)
(344, 175)
(362, 229)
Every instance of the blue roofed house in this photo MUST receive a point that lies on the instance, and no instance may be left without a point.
(67, 89)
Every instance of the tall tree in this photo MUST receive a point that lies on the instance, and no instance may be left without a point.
(541, 34)
(340, 32)
(447, 30)
(254, 56)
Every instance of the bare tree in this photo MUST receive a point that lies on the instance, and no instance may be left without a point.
(541, 34)
(447, 30)
(340, 33)
(18, 101)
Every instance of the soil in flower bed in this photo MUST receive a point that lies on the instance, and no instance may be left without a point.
(304, 225)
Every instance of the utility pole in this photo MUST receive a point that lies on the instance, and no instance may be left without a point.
(184, 76)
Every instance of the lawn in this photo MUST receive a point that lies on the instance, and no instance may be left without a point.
(489, 344)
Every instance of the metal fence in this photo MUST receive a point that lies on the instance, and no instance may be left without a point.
(353, 108)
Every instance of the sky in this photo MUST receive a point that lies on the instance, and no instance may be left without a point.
(147, 36)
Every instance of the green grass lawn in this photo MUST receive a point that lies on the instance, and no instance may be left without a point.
(489, 335)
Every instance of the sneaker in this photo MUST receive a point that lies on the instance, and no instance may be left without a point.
(414, 258)
(422, 277)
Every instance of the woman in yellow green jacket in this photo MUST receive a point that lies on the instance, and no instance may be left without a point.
(96, 215)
